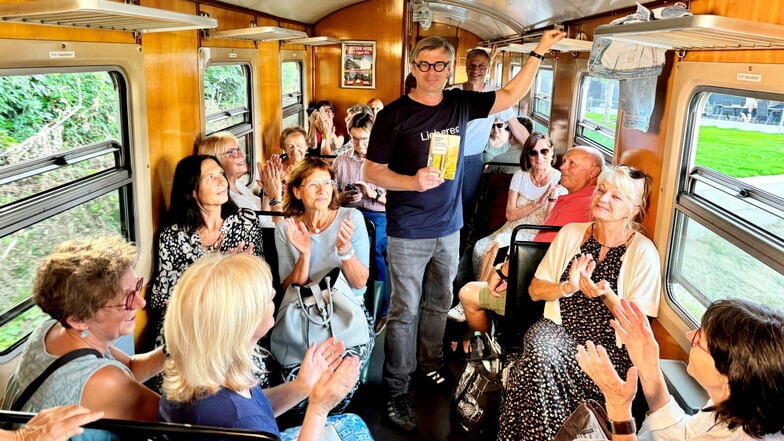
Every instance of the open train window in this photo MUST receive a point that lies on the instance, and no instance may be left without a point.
(542, 99)
(728, 235)
(597, 114)
(227, 98)
(65, 172)
(292, 99)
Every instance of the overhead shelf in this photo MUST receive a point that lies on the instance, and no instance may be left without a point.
(102, 14)
(565, 45)
(698, 32)
(261, 33)
(315, 41)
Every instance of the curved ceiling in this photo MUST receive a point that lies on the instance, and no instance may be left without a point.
(488, 19)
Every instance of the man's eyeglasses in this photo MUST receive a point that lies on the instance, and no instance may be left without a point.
(233, 153)
(315, 185)
(424, 66)
(499, 125)
(356, 140)
(695, 340)
(533, 153)
(131, 297)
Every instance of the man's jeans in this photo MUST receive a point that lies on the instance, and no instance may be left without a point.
(414, 264)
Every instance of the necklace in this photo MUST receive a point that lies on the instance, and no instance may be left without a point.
(215, 243)
(324, 225)
(541, 182)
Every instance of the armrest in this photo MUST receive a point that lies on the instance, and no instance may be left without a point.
(685, 389)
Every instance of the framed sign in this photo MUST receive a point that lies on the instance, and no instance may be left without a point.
(358, 65)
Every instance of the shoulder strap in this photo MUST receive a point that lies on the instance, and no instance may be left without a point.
(32, 387)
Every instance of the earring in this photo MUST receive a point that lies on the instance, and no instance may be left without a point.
(84, 334)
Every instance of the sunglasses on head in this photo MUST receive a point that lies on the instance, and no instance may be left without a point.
(636, 174)
(533, 153)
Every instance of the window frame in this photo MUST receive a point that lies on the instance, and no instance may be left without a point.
(299, 107)
(245, 129)
(538, 117)
(688, 205)
(130, 176)
(582, 125)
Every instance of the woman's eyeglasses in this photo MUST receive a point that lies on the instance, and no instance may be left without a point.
(695, 338)
(424, 66)
(131, 297)
(315, 185)
(533, 153)
(233, 153)
(499, 125)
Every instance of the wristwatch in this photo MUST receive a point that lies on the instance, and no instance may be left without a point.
(535, 55)
(500, 273)
(622, 427)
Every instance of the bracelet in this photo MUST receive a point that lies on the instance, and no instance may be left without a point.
(535, 55)
(348, 254)
(561, 289)
(378, 195)
(622, 427)
(274, 201)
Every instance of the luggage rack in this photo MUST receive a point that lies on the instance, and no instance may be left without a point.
(102, 14)
(698, 32)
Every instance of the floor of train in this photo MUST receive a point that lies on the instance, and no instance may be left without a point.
(431, 406)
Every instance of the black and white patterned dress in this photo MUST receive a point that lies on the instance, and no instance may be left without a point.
(546, 384)
(179, 248)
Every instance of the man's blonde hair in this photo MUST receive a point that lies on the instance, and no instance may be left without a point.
(217, 306)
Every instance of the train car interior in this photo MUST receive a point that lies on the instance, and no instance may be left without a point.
(101, 99)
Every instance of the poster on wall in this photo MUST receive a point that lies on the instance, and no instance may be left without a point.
(359, 65)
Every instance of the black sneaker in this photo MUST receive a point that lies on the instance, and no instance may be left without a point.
(400, 412)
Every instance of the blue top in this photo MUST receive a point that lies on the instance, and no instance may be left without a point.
(478, 130)
(323, 254)
(225, 408)
(401, 139)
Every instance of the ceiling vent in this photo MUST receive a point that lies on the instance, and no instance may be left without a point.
(102, 14)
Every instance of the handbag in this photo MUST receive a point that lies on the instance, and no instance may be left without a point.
(314, 312)
(477, 395)
(588, 421)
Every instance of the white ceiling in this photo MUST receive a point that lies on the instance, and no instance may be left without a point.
(488, 19)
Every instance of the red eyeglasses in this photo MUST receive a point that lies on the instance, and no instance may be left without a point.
(131, 297)
(695, 340)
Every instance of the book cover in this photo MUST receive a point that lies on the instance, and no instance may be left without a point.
(444, 154)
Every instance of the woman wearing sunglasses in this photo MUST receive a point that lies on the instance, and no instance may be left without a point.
(587, 269)
(498, 142)
(532, 193)
(737, 356)
(90, 290)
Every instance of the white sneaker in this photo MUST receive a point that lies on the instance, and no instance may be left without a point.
(457, 314)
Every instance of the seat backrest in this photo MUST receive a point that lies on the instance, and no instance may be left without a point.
(371, 302)
(149, 430)
(524, 257)
(271, 256)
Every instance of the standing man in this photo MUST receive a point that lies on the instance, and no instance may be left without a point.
(478, 130)
(424, 211)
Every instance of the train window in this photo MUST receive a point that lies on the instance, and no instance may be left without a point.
(597, 113)
(292, 99)
(65, 172)
(499, 73)
(728, 235)
(227, 97)
(542, 99)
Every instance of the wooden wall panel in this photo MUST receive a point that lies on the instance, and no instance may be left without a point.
(378, 20)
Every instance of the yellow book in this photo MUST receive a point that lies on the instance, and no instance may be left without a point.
(444, 154)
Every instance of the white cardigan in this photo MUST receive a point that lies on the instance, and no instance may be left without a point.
(639, 279)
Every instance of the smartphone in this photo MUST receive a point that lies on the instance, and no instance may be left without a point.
(351, 187)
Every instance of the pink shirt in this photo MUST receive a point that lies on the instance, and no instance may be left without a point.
(569, 208)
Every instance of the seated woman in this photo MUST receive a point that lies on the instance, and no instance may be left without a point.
(532, 194)
(221, 307)
(323, 137)
(737, 355)
(202, 219)
(318, 235)
(225, 147)
(588, 268)
(498, 142)
(294, 144)
(89, 288)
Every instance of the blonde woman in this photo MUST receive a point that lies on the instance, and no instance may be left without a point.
(221, 307)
